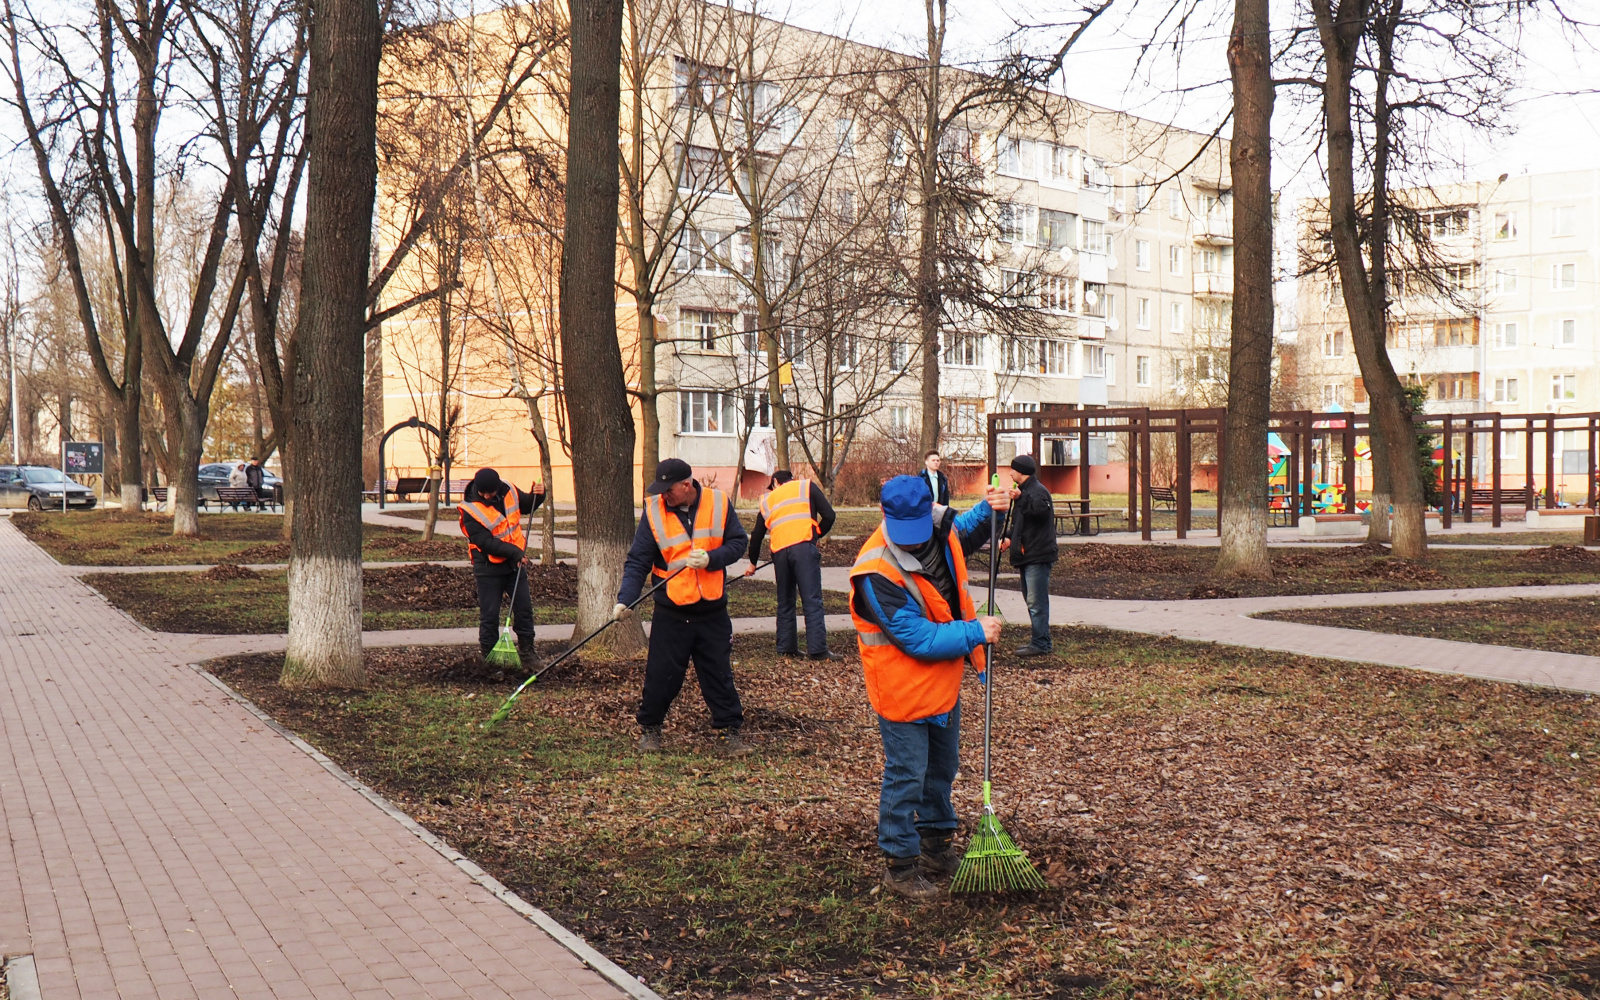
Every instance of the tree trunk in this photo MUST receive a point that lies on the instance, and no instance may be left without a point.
(129, 439)
(186, 435)
(324, 642)
(928, 303)
(649, 399)
(602, 420)
(1242, 491)
(1382, 496)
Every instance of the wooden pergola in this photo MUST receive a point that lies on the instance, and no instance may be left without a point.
(1299, 429)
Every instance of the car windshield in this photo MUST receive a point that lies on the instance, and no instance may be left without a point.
(43, 477)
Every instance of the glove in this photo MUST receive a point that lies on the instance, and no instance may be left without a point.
(621, 613)
(698, 559)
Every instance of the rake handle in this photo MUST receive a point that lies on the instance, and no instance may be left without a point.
(988, 650)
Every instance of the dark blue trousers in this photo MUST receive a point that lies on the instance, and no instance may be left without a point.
(491, 588)
(675, 641)
(799, 567)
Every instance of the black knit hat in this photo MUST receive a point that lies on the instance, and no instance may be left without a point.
(1025, 465)
(487, 481)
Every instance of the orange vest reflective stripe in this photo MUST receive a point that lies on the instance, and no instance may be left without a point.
(710, 519)
(506, 527)
(901, 687)
(787, 512)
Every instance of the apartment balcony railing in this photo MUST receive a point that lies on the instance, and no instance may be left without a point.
(1215, 228)
(1213, 284)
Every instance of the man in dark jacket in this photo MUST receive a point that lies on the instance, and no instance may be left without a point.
(796, 514)
(255, 478)
(686, 538)
(938, 482)
(1032, 541)
(492, 514)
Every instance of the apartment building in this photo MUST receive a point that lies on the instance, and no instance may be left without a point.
(776, 217)
(1498, 314)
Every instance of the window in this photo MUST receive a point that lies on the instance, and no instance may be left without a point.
(964, 349)
(1333, 344)
(701, 251)
(699, 85)
(1174, 203)
(1505, 279)
(1061, 168)
(706, 330)
(1206, 369)
(845, 128)
(960, 416)
(1564, 332)
(1142, 314)
(1094, 299)
(1455, 332)
(900, 420)
(1332, 395)
(1017, 222)
(1459, 278)
(1015, 157)
(1563, 277)
(1505, 225)
(1210, 261)
(1505, 336)
(703, 170)
(1175, 317)
(706, 412)
(1110, 366)
(1055, 357)
(757, 410)
(844, 205)
(1505, 391)
(1057, 229)
(1141, 255)
(1094, 237)
(1094, 360)
(1564, 220)
(1022, 355)
(750, 336)
(1455, 386)
(848, 352)
(897, 217)
(1056, 293)
(1175, 259)
(897, 148)
(1094, 175)
(1019, 288)
(1141, 370)
(793, 202)
(1447, 223)
(1142, 193)
(899, 355)
(792, 346)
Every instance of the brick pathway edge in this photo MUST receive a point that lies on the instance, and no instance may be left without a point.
(581, 949)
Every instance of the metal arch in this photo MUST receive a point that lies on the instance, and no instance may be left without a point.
(383, 443)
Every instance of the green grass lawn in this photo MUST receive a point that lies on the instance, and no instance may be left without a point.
(228, 603)
(1213, 822)
(1562, 625)
(113, 538)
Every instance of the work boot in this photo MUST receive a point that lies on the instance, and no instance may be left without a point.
(528, 657)
(1031, 650)
(734, 745)
(939, 858)
(826, 654)
(905, 878)
(650, 742)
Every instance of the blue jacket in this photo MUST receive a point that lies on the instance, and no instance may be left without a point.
(887, 604)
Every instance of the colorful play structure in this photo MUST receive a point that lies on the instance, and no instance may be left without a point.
(1312, 458)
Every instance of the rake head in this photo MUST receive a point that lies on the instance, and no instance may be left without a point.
(504, 653)
(993, 862)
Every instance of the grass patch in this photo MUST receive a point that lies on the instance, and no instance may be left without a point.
(114, 538)
(1213, 822)
(1562, 625)
(228, 602)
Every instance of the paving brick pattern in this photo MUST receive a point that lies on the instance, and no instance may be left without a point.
(162, 842)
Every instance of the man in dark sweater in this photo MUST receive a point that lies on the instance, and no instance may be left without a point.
(686, 538)
(491, 514)
(1032, 542)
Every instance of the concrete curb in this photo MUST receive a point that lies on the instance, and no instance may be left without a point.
(581, 949)
(22, 979)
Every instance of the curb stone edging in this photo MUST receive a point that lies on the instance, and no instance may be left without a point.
(22, 978)
(581, 949)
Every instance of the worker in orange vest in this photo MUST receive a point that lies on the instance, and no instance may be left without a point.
(794, 514)
(917, 629)
(693, 528)
(491, 513)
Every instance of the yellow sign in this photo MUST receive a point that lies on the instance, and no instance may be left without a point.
(786, 374)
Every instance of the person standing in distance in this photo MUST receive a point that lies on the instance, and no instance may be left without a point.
(794, 514)
(491, 513)
(693, 528)
(1033, 548)
(917, 628)
(938, 482)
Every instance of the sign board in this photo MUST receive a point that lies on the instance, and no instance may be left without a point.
(83, 458)
(786, 374)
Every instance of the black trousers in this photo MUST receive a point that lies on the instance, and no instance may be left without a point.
(491, 588)
(675, 640)
(799, 567)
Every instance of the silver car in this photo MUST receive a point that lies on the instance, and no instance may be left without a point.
(40, 487)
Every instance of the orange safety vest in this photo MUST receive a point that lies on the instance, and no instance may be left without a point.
(901, 687)
(710, 519)
(505, 527)
(787, 512)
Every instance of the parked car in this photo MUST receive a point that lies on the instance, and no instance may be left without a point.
(39, 487)
(214, 474)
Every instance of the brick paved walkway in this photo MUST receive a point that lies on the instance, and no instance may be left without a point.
(162, 841)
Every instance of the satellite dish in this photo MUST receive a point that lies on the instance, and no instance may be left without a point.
(1091, 297)
(1066, 255)
(1113, 323)
(1111, 262)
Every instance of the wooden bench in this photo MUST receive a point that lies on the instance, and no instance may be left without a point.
(1164, 495)
(1484, 497)
(243, 496)
(157, 495)
(404, 486)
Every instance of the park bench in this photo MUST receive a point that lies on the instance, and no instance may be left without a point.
(1164, 495)
(157, 495)
(1484, 496)
(243, 496)
(404, 486)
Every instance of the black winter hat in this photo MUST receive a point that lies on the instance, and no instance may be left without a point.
(1025, 465)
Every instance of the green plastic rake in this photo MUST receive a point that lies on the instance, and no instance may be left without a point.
(504, 653)
(993, 862)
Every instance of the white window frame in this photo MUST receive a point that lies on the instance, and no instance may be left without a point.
(1563, 277)
(1142, 312)
(726, 404)
(1506, 336)
(1175, 260)
(1015, 157)
(1505, 225)
(1563, 387)
(1174, 202)
(1055, 294)
(1505, 279)
(1505, 391)
(1141, 255)
(845, 134)
(1094, 360)
(1141, 370)
(1092, 236)
(1055, 357)
(1564, 332)
(964, 350)
(1563, 220)
(1175, 317)
(694, 324)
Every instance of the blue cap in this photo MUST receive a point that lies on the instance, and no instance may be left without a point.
(907, 510)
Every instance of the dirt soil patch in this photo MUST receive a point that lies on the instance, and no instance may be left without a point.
(1175, 572)
(1211, 822)
(227, 572)
(1560, 625)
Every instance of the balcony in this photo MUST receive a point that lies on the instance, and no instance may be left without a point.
(1213, 284)
(1215, 228)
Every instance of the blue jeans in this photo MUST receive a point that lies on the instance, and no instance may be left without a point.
(919, 766)
(1036, 591)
